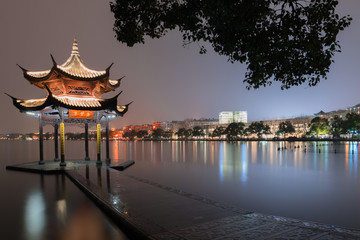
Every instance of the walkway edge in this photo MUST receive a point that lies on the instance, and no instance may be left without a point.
(113, 213)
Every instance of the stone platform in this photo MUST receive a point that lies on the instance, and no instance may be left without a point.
(150, 210)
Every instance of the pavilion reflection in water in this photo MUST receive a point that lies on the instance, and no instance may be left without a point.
(74, 97)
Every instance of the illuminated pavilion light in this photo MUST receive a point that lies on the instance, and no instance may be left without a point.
(38, 73)
(120, 108)
(31, 113)
(113, 82)
(79, 101)
(75, 66)
(31, 102)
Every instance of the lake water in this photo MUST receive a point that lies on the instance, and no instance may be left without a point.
(315, 181)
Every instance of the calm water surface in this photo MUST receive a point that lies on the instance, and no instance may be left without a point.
(35, 207)
(316, 181)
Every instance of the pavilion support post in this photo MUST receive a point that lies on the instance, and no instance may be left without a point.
(62, 140)
(56, 136)
(98, 141)
(87, 158)
(62, 144)
(41, 140)
(107, 141)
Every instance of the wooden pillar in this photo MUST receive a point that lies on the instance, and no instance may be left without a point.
(98, 143)
(108, 183)
(41, 140)
(99, 182)
(62, 140)
(107, 141)
(56, 136)
(87, 171)
(87, 158)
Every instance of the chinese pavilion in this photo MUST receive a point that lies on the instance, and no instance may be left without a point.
(73, 97)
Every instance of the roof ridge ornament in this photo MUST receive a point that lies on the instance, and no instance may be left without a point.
(75, 48)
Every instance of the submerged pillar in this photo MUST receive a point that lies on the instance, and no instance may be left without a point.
(41, 141)
(98, 143)
(62, 144)
(87, 142)
(107, 141)
(56, 136)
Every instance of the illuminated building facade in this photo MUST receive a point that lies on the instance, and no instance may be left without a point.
(234, 116)
(156, 125)
(354, 109)
(340, 113)
(73, 97)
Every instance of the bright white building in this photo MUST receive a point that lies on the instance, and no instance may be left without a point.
(234, 116)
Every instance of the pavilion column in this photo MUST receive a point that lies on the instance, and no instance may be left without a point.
(56, 136)
(62, 140)
(98, 141)
(87, 158)
(107, 141)
(41, 140)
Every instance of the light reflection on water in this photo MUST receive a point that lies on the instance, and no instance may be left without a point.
(35, 215)
(315, 181)
(235, 157)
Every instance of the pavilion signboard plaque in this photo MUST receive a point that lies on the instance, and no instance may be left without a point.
(82, 114)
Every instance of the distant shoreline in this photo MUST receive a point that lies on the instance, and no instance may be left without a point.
(211, 140)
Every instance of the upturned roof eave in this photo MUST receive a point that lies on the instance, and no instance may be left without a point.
(106, 104)
(55, 68)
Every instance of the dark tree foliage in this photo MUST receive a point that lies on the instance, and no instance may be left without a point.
(258, 128)
(184, 133)
(167, 134)
(234, 130)
(197, 132)
(352, 124)
(319, 126)
(130, 134)
(336, 125)
(218, 131)
(181, 132)
(157, 133)
(287, 41)
(141, 134)
(285, 128)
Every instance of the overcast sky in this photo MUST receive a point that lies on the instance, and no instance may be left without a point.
(165, 81)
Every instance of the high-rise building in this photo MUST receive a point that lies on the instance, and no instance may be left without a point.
(234, 116)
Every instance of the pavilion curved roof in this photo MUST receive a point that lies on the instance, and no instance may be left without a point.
(75, 103)
(73, 67)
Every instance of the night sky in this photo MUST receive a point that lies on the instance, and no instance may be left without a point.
(165, 80)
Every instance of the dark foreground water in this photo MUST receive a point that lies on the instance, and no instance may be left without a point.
(316, 181)
(44, 207)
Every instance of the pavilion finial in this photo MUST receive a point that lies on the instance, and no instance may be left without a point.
(75, 49)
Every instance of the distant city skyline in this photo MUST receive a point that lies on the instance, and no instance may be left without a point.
(165, 81)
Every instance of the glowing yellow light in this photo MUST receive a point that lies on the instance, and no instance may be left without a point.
(79, 101)
(74, 66)
(120, 108)
(113, 82)
(38, 73)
